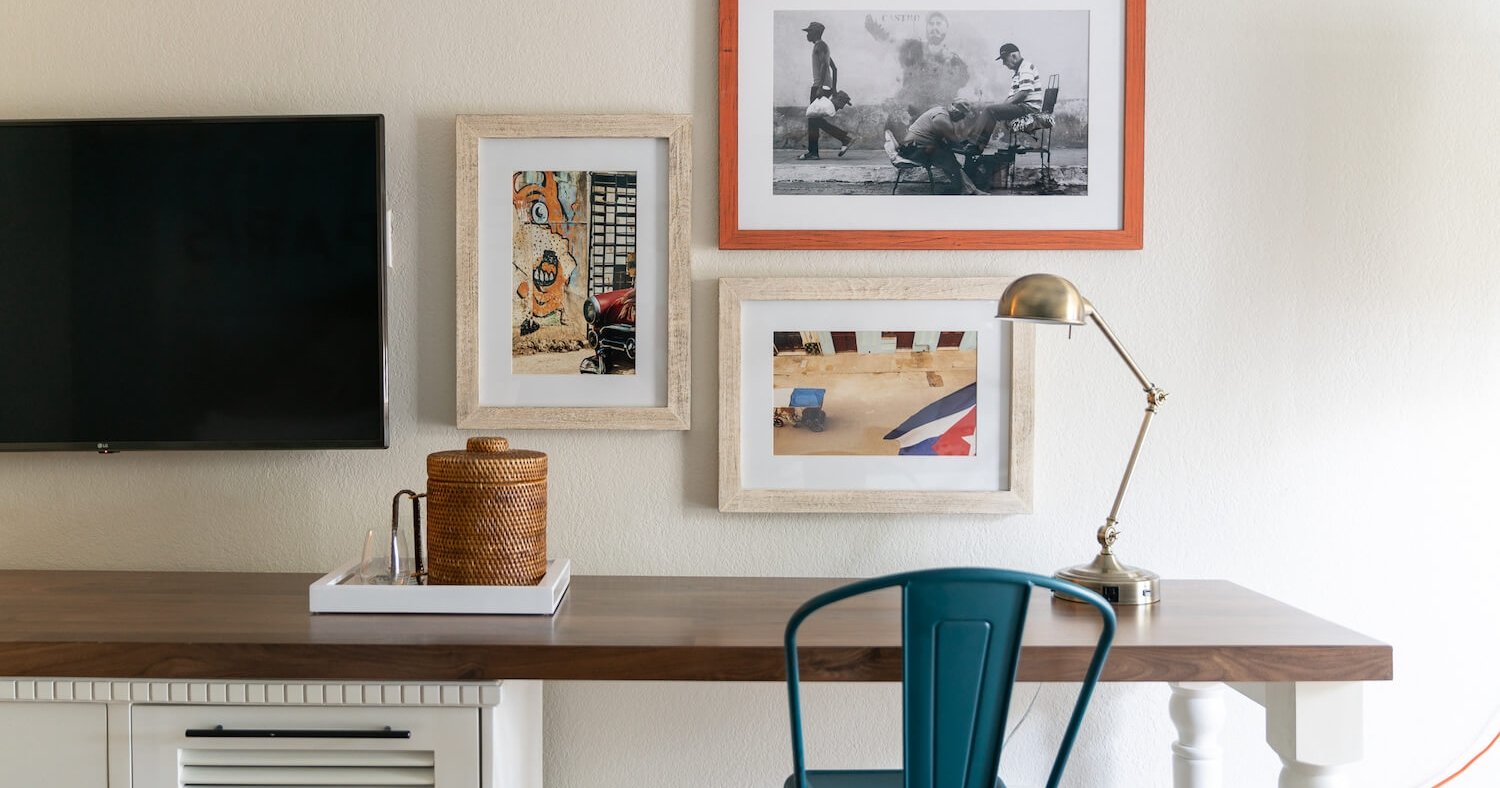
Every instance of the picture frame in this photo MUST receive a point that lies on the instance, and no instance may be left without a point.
(895, 64)
(573, 257)
(950, 431)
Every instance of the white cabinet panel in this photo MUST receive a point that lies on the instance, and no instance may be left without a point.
(54, 744)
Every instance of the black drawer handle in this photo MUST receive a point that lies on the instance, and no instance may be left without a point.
(220, 732)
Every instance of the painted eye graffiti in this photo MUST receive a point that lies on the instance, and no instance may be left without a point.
(539, 213)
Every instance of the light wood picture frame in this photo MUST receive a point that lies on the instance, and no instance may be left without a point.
(552, 211)
(812, 461)
(1086, 192)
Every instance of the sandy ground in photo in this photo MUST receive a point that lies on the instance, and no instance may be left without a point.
(557, 364)
(549, 363)
(868, 395)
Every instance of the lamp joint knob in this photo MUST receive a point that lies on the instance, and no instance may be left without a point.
(1108, 533)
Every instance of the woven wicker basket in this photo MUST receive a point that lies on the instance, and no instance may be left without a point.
(486, 515)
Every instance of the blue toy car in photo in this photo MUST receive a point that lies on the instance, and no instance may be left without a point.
(803, 408)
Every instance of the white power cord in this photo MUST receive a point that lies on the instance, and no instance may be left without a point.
(1024, 715)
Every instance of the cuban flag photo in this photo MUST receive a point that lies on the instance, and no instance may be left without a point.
(943, 428)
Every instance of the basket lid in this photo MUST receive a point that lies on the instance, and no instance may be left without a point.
(488, 443)
(507, 466)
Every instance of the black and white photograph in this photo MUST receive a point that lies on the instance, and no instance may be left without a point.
(962, 102)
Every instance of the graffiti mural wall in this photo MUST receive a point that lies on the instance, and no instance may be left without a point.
(550, 227)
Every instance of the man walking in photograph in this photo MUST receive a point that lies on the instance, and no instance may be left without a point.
(1025, 93)
(825, 91)
(933, 137)
(820, 120)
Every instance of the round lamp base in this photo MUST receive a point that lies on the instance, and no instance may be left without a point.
(1117, 583)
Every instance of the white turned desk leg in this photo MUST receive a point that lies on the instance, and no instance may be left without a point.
(1197, 710)
(1317, 727)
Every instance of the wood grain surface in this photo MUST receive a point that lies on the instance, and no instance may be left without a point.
(249, 626)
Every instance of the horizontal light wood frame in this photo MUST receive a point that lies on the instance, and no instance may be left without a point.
(677, 130)
(1128, 236)
(734, 497)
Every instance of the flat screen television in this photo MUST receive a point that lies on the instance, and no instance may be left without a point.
(193, 283)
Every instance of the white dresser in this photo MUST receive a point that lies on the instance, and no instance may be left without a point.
(110, 733)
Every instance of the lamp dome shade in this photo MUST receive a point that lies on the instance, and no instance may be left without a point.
(1043, 298)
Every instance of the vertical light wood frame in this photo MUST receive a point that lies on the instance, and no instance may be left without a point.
(1128, 236)
(677, 130)
(734, 497)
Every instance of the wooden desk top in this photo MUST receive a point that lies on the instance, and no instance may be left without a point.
(245, 626)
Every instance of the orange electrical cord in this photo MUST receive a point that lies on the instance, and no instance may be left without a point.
(1486, 749)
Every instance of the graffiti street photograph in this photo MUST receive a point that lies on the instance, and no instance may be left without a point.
(887, 393)
(572, 268)
(574, 271)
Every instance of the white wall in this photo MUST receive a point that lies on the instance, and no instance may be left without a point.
(1317, 290)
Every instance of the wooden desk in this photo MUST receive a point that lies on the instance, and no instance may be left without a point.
(1305, 671)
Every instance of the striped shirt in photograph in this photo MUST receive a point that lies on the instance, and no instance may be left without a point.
(1029, 81)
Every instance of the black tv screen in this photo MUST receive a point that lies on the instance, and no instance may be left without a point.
(192, 283)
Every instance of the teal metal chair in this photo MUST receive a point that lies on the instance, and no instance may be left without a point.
(961, 640)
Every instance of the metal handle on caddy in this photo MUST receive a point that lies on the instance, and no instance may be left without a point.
(221, 732)
(416, 535)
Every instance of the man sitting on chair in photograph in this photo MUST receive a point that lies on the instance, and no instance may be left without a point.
(1025, 94)
(933, 138)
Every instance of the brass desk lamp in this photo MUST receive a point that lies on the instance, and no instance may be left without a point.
(1044, 298)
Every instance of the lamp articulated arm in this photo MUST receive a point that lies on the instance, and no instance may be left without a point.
(1155, 396)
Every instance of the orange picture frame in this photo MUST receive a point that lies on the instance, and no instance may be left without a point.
(1127, 236)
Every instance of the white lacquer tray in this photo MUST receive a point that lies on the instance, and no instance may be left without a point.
(341, 591)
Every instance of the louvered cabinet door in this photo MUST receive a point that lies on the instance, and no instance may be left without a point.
(191, 746)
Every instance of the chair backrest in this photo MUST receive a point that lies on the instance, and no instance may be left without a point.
(961, 640)
(1049, 96)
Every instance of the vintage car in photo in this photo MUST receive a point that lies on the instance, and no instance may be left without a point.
(611, 332)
